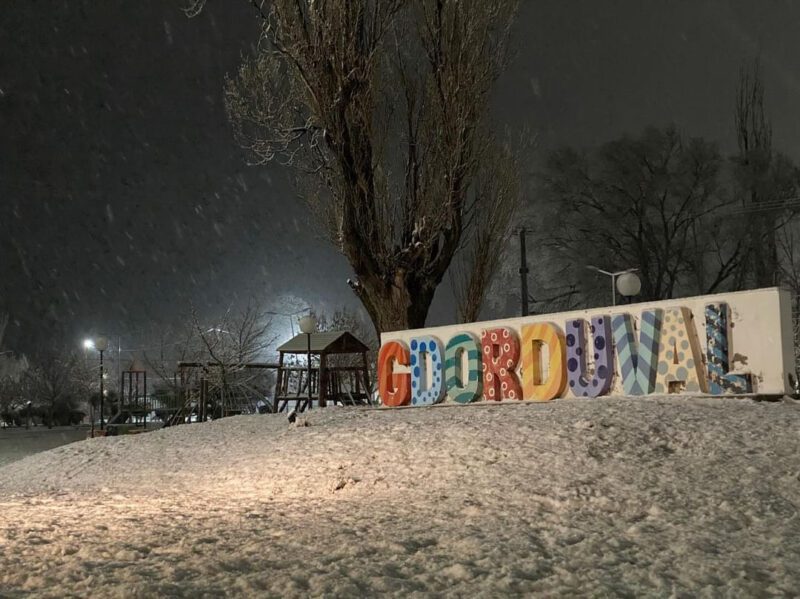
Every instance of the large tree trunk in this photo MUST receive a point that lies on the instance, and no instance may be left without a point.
(400, 304)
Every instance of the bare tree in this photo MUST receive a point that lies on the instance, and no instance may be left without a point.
(235, 340)
(215, 352)
(223, 352)
(12, 375)
(788, 245)
(167, 348)
(345, 319)
(381, 106)
(13, 382)
(766, 181)
(51, 381)
(640, 203)
(3, 326)
(496, 204)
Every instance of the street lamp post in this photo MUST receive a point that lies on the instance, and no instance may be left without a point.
(101, 345)
(632, 284)
(87, 345)
(523, 271)
(308, 324)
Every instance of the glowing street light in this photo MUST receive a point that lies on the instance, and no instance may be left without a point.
(101, 345)
(628, 283)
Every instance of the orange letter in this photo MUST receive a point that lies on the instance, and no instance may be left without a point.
(395, 389)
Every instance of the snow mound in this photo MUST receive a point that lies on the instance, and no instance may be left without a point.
(612, 496)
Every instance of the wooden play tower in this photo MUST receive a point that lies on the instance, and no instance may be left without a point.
(339, 372)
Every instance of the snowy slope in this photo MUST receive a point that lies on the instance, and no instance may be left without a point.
(624, 497)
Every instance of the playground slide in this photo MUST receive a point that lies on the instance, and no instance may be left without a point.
(119, 418)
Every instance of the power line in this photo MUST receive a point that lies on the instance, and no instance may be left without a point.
(784, 204)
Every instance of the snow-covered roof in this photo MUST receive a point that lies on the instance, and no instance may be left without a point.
(332, 342)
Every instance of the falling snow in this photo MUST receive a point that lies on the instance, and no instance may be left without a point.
(168, 32)
(130, 122)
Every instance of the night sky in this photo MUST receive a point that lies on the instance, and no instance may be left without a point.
(124, 199)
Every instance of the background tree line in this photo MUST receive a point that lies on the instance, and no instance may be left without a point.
(56, 386)
(221, 349)
(690, 219)
(62, 382)
(381, 110)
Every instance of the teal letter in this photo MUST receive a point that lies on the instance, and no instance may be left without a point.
(462, 387)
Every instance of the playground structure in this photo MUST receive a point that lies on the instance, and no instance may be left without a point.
(214, 390)
(339, 374)
(133, 405)
(339, 371)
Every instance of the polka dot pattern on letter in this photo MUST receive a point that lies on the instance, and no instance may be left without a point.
(421, 393)
(580, 382)
(673, 363)
(500, 353)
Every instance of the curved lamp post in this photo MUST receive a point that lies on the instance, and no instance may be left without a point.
(308, 325)
(628, 284)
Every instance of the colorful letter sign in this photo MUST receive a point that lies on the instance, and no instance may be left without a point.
(679, 354)
(463, 386)
(669, 347)
(500, 355)
(637, 361)
(599, 349)
(719, 378)
(424, 393)
(395, 388)
(536, 386)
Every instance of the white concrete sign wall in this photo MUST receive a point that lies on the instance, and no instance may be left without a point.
(732, 343)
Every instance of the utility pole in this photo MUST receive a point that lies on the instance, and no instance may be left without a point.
(102, 390)
(523, 271)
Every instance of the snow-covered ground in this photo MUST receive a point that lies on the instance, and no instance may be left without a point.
(18, 442)
(603, 497)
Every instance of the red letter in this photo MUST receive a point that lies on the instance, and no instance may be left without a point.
(500, 355)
